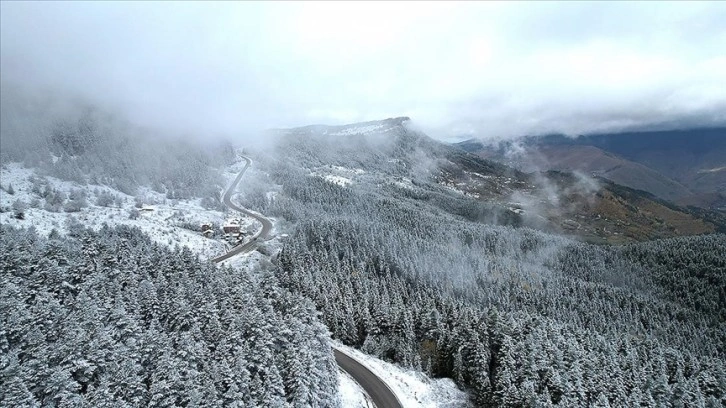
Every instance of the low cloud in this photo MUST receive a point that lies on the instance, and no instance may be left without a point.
(492, 70)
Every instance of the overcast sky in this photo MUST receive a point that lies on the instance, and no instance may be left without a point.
(488, 69)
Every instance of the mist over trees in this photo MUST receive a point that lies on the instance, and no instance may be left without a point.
(79, 142)
(383, 239)
(516, 316)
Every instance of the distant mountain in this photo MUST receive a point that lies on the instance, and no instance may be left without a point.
(391, 155)
(684, 166)
(592, 161)
(362, 128)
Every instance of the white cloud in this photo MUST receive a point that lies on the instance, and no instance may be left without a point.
(492, 69)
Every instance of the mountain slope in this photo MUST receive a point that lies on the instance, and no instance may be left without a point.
(684, 166)
(593, 209)
(79, 142)
(407, 264)
(409, 249)
(593, 161)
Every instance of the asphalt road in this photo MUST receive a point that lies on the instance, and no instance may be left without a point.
(376, 389)
(379, 392)
(266, 224)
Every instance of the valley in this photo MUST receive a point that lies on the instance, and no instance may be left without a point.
(680, 166)
(362, 204)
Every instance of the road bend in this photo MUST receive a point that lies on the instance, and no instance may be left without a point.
(261, 235)
(374, 386)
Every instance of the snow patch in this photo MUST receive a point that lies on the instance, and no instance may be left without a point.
(341, 176)
(351, 394)
(713, 170)
(402, 182)
(345, 170)
(355, 130)
(341, 181)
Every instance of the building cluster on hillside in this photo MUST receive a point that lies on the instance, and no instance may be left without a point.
(232, 230)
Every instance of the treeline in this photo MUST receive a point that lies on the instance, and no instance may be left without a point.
(108, 318)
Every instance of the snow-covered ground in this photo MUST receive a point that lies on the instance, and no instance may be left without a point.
(341, 181)
(163, 219)
(351, 394)
(341, 176)
(402, 182)
(355, 130)
(363, 128)
(413, 389)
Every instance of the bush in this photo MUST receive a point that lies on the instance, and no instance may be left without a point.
(105, 199)
(36, 184)
(54, 234)
(212, 203)
(19, 207)
(54, 200)
(76, 202)
(52, 207)
(72, 206)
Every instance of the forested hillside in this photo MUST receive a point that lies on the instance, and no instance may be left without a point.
(180, 228)
(108, 318)
(85, 144)
(399, 265)
(402, 268)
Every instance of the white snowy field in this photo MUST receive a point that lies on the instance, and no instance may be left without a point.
(360, 129)
(163, 219)
(355, 130)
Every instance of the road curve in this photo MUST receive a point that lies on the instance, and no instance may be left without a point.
(266, 224)
(376, 389)
(379, 392)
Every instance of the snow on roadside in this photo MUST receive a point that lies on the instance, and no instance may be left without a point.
(351, 394)
(413, 389)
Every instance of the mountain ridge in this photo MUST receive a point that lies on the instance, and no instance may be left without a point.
(681, 166)
(581, 205)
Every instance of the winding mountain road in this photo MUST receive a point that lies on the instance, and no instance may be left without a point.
(377, 390)
(266, 224)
